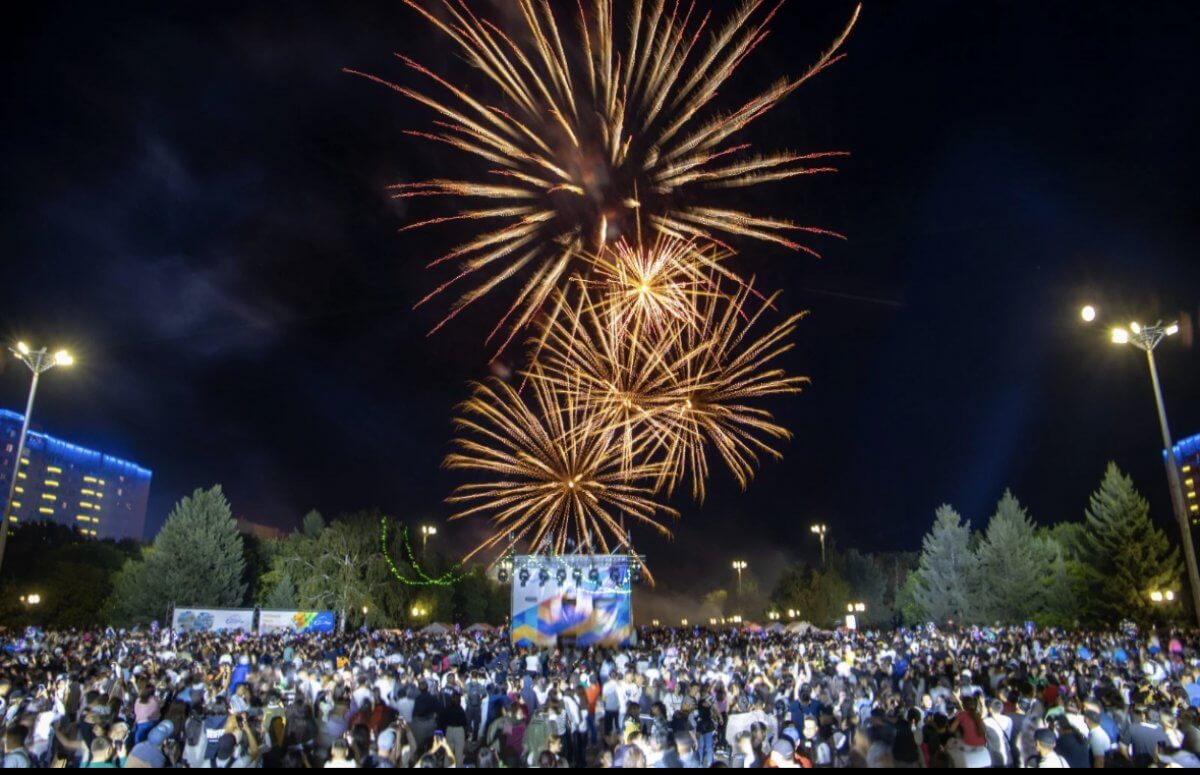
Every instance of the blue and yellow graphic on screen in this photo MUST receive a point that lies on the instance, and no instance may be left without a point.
(580, 599)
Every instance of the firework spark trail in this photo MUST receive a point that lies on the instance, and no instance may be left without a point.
(553, 474)
(717, 369)
(574, 141)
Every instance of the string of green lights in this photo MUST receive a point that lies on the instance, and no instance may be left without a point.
(449, 578)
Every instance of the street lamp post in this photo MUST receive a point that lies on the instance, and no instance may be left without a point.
(1146, 338)
(739, 566)
(819, 532)
(426, 531)
(39, 362)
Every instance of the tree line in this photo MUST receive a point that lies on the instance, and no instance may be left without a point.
(200, 559)
(1089, 573)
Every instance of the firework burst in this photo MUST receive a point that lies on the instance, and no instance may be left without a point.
(554, 475)
(717, 371)
(593, 131)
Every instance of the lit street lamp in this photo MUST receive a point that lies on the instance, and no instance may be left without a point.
(1146, 338)
(855, 608)
(31, 600)
(365, 620)
(426, 531)
(39, 362)
(819, 532)
(1162, 597)
(739, 566)
(418, 613)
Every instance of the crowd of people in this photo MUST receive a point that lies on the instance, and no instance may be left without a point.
(677, 698)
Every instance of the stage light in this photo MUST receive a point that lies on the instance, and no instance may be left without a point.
(543, 576)
(562, 576)
(502, 575)
(523, 576)
(577, 574)
(614, 573)
(594, 575)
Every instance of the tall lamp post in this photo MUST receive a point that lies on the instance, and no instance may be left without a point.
(739, 566)
(426, 531)
(39, 362)
(1146, 338)
(819, 531)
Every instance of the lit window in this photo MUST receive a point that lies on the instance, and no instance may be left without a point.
(46, 510)
(16, 504)
(24, 461)
(49, 496)
(83, 518)
(86, 505)
(51, 483)
(99, 495)
(100, 481)
(87, 492)
(18, 489)
(1191, 494)
(54, 469)
(22, 475)
(12, 519)
(89, 479)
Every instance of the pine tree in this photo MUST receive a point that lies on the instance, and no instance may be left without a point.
(1015, 567)
(944, 576)
(1128, 556)
(283, 595)
(196, 560)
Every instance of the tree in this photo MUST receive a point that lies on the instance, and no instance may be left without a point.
(282, 596)
(313, 524)
(196, 560)
(1128, 557)
(944, 575)
(911, 612)
(340, 568)
(819, 594)
(867, 584)
(1016, 567)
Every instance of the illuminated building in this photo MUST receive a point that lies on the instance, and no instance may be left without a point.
(99, 495)
(1187, 455)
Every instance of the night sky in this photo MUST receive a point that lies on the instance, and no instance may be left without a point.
(193, 201)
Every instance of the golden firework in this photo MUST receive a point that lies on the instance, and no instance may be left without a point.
(553, 474)
(717, 370)
(581, 144)
(667, 391)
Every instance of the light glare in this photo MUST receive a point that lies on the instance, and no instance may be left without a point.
(1120, 336)
(1088, 313)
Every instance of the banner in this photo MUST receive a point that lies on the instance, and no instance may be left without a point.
(295, 621)
(584, 600)
(212, 619)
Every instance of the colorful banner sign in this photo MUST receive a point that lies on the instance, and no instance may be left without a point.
(212, 619)
(295, 621)
(585, 600)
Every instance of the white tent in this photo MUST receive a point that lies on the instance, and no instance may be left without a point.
(480, 627)
(435, 629)
(775, 628)
(800, 628)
